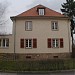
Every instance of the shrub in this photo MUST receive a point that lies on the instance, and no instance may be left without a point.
(42, 65)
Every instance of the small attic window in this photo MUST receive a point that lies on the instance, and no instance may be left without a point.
(41, 11)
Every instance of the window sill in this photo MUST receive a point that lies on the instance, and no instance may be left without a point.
(4, 47)
(28, 48)
(55, 47)
(28, 30)
(41, 15)
(55, 30)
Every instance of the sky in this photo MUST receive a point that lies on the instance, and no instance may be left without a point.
(15, 7)
(18, 6)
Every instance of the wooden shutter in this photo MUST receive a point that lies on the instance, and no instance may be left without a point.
(49, 42)
(22, 43)
(61, 43)
(34, 43)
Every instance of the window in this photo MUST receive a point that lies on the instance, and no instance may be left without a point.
(41, 11)
(55, 56)
(54, 25)
(28, 43)
(4, 42)
(28, 57)
(55, 43)
(28, 25)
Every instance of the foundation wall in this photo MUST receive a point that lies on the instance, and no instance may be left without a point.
(41, 56)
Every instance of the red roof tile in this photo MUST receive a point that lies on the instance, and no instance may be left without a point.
(33, 12)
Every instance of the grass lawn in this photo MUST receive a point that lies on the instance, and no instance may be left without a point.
(47, 65)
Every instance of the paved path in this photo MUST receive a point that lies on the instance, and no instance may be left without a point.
(56, 73)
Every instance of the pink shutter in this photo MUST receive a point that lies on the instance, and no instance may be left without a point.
(21, 43)
(34, 43)
(61, 43)
(49, 42)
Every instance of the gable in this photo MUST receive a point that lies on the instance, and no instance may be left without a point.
(34, 12)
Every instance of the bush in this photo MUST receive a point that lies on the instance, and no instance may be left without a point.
(48, 65)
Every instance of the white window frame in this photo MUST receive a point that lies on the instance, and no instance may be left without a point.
(28, 25)
(27, 43)
(4, 43)
(55, 43)
(41, 11)
(54, 25)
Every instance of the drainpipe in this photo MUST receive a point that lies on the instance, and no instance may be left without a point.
(14, 29)
(69, 36)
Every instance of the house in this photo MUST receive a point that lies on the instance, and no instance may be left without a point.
(39, 33)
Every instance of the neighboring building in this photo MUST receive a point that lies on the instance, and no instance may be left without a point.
(6, 47)
(40, 33)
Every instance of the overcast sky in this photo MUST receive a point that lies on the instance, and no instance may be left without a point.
(16, 7)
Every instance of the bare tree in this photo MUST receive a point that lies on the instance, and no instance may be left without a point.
(3, 19)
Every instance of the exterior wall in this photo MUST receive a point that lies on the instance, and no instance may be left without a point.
(34, 56)
(42, 56)
(10, 49)
(41, 29)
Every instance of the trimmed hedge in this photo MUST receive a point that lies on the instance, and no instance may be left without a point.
(42, 65)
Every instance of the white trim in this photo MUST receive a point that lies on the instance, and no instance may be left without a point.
(54, 25)
(55, 42)
(41, 11)
(28, 25)
(4, 44)
(28, 40)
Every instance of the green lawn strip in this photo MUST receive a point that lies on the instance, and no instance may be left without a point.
(69, 64)
(43, 65)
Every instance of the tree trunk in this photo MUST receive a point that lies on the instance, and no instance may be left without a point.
(73, 51)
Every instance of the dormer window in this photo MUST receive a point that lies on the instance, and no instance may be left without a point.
(41, 11)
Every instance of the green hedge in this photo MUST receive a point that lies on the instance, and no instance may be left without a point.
(47, 65)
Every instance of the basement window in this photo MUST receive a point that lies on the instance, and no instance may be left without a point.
(55, 56)
(28, 57)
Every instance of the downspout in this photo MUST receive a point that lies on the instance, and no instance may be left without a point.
(69, 35)
(14, 38)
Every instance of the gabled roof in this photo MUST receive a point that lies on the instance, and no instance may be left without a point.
(33, 12)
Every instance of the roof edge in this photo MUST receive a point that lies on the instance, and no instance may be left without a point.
(38, 17)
